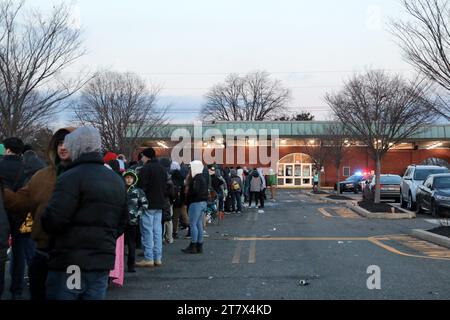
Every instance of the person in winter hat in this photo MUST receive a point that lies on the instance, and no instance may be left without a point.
(256, 188)
(137, 204)
(85, 216)
(197, 197)
(154, 180)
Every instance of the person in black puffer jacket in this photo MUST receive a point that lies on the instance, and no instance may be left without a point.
(4, 236)
(85, 215)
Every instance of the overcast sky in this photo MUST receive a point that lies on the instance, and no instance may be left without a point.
(186, 46)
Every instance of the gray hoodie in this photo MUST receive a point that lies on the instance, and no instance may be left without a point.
(83, 140)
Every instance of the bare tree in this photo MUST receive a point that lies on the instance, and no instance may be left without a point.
(34, 49)
(122, 108)
(295, 116)
(318, 151)
(382, 110)
(254, 97)
(425, 42)
(336, 138)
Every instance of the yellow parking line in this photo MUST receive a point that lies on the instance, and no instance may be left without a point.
(325, 213)
(298, 239)
(377, 242)
(237, 253)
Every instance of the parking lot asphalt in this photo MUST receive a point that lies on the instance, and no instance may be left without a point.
(299, 248)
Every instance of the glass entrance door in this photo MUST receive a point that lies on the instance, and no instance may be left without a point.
(289, 174)
(307, 174)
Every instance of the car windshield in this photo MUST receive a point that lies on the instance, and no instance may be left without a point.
(390, 179)
(442, 183)
(422, 174)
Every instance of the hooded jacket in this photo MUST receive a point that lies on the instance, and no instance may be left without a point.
(256, 182)
(136, 201)
(198, 187)
(34, 196)
(88, 210)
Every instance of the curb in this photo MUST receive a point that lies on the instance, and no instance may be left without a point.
(431, 237)
(381, 215)
(323, 199)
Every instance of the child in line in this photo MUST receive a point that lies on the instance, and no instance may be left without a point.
(137, 204)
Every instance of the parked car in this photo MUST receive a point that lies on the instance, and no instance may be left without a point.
(414, 176)
(389, 187)
(351, 184)
(433, 195)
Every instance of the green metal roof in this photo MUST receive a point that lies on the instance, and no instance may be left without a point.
(294, 129)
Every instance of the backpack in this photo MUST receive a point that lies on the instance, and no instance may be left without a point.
(235, 186)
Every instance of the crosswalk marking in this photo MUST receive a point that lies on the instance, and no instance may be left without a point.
(237, 253)
(324, 212)
(252, 253)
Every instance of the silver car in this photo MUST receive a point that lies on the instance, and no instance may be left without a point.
(389, 186)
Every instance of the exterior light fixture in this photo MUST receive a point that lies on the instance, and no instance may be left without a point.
(162, 145)
(436, 145)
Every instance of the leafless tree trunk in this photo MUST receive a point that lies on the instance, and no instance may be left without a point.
(318, 151)
(254, 97)
(425, 42)
(122, 108)
(382, 110)
(34, 49)
(336, 139)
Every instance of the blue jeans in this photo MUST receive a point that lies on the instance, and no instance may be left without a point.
(23, 248)
(93, 286)
(151, 233)
(236, 200)
(196, 216)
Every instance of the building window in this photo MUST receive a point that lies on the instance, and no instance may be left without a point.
(346, 171)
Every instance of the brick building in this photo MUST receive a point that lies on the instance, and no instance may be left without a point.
(293, 142)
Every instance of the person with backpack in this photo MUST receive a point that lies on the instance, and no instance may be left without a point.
(236, 188)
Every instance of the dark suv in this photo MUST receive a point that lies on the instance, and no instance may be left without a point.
(434, 195)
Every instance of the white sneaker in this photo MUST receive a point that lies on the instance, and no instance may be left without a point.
(260, 211)
(205, 235)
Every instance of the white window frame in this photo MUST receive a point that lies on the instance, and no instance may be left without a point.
(349, 171)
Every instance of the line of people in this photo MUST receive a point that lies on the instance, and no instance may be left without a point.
(83, 208)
